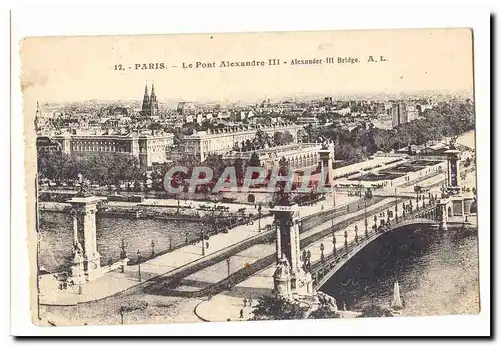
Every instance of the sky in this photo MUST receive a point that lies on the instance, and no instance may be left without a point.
(66, 69)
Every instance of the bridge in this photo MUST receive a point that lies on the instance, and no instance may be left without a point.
(232, 263)
(323, 269)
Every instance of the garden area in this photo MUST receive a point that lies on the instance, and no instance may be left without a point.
(378, 176)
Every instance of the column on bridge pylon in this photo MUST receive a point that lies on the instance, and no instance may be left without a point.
(453, 168)
(289, 254)
(326, 155)
(84, 213)
(442, 216)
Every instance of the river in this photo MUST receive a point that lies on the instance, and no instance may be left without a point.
(56, 240)
(437, 273)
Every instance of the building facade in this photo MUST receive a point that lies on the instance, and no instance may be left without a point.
(298, 156)
(148, 149)
(222, 141)
(149, 103)
(399, 114)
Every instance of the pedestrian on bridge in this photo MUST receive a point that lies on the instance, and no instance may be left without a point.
(244, 303)
(241, 313)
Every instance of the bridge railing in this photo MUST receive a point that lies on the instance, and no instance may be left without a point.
(363, 239)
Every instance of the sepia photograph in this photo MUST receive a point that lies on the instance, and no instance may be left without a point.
(250, 176)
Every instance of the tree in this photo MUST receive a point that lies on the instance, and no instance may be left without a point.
(276, 308)
(216, 163)
(261, 140)
(368, 193)
(254, 160)
(249, 145)
(375, 311)
(287, 138)
(323, 312)
(239, 169)
(278, 138)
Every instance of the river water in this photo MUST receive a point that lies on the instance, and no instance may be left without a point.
(56, 241)
(437, 273)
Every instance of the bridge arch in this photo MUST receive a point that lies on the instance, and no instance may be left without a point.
(251, 198)
(322, 271)
(473, 207)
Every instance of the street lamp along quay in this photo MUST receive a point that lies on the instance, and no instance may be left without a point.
(139, 264)
(334, 240)
(259, 209)
(202, 241)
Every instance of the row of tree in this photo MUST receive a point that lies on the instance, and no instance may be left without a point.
(263, 140)
(445, 120)
(98, 168)
(276, 308)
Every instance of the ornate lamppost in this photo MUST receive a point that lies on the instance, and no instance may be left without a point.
(228, 271)
(202, 241)
(139, 264)
(152, 248)
(366, 221)
(322, 249)
(356, 234)
(396, 207)
(123, 254)
(334, 240)
(259, 210)
(345, 238)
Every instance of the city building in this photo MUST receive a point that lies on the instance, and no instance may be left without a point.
(149, 149)
(308, 120)
(222, 141)
(298, 155)
(399, 114)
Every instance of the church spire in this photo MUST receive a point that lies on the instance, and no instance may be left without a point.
(153, 102)
(145, 101)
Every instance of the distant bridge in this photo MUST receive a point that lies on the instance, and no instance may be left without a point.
(323, 269)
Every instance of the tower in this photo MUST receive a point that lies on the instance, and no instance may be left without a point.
(289, 266)
(153, 102)
(149, 102)
(38, 117)
(86, 256)
(326, 155)
(453, 167)
(38, 110)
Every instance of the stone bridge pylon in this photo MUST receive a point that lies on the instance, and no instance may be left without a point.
(290, 279)
(86, 259)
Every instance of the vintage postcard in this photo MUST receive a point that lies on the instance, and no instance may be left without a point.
(251, 176)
